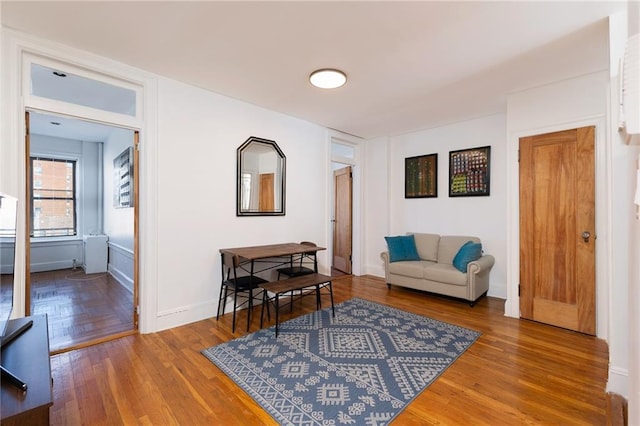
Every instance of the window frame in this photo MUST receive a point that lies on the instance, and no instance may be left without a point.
(74, 162)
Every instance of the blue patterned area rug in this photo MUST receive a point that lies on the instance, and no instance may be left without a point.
(360, 368)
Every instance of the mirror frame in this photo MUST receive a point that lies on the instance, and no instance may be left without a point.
(280, 210)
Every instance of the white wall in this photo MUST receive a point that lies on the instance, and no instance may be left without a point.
(376, 204)
(198, 135)
(118, 222)
(624, 371)
(634, 294)
(633, 160)
(483, 217)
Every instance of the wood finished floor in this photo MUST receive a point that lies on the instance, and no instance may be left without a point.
(80, 307)
(517, 373)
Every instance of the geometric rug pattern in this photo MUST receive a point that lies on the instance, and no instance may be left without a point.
(360, 368)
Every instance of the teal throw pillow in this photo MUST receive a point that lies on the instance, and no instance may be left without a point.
(469, 252)
(402, 247)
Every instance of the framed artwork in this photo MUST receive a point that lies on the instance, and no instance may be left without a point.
(123, 179)
(469, 172)
(421, 176)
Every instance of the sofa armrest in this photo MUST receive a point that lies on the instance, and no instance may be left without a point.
(385, 258)
(484, 264)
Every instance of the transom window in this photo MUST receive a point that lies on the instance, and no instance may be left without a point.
(53, 197)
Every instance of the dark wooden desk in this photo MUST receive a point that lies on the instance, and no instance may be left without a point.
(269, 254)
(28, 358)
(272, 250)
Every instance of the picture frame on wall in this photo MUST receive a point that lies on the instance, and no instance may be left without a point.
(470, 172)
(123, 179)
(421, 176)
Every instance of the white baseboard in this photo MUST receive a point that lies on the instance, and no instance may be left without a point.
(186, 314)
(618, 381)
(51, 266)
(124, 280)
(375, 270)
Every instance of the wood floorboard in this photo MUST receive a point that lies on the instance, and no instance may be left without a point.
(80, 307)
(517, 373)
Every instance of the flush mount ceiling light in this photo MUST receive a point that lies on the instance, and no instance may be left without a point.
(328, 78)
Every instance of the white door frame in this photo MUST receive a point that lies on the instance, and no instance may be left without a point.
(353, 142)
(15, 48)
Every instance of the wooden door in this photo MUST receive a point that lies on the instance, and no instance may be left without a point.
(266, 201)
(27, 216)
(557, 229)
(136, 227)
(342, 228)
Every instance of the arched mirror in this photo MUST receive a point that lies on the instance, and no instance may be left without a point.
(261, 178)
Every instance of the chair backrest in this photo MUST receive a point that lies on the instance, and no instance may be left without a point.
(309, 243)
(311, 255)
(230, 262)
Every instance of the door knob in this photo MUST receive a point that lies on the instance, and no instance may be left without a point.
(585, 236)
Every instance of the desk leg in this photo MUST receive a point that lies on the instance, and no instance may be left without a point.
(250, 307)
(333, 309)
(318, 298)
(277, 312)
(264, 301)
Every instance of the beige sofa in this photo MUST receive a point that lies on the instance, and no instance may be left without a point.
(435, 273)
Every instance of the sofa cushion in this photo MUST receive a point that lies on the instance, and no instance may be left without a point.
(444, 273)
(427, 246)
(411, 269)
(402, 247)
(449, 246)
(469, 252)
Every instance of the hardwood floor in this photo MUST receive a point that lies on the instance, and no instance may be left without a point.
(80, 307)
(517, 373)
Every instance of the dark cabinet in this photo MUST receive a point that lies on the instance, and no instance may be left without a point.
(28, 358)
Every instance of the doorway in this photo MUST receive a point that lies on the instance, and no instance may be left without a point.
(81, 253)
(557, 229)
(343, 220)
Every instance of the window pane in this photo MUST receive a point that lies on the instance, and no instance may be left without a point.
(52, 84)
(339, 150)
(54, 218)
(53, 198)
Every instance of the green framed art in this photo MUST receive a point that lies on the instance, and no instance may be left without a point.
(421, 176)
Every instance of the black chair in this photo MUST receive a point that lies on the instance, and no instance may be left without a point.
(302, 264)
(244, 287)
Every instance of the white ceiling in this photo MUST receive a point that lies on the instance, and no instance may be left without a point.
(411, 65)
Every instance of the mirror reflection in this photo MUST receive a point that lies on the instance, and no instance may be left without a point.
(261, 178)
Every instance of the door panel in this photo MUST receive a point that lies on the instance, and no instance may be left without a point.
(342, 229)
(557, 203)
(136, 227)
(266, 201)
(27, 214)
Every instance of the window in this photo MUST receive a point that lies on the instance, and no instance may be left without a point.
(53, 197)
(54, 84)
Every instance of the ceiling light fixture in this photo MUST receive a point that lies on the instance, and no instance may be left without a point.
(328, 78)
(59, 74)
(55, 123)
